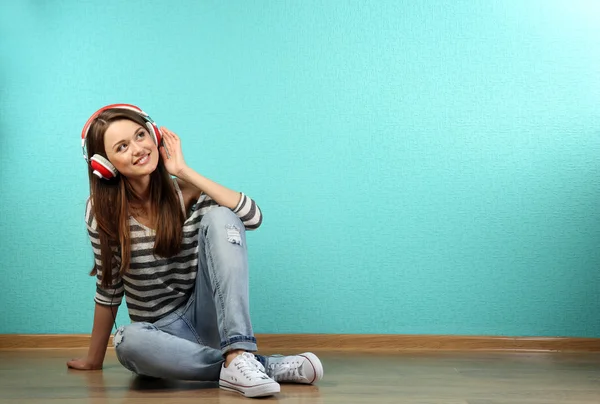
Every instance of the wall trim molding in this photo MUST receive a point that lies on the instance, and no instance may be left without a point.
(347, 342)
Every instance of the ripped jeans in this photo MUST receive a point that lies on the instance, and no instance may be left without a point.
(189, 343)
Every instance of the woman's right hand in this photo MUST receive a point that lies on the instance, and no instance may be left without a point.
(83, 364)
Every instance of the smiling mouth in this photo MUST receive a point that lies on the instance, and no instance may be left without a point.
(142, 160)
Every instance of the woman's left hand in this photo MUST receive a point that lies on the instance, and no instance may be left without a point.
(173, 158)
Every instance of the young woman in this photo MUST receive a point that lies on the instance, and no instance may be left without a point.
(176, 249)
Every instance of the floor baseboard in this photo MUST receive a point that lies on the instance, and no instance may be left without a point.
(347, 342)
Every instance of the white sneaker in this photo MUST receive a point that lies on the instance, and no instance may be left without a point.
(304, 368)
(247, 376)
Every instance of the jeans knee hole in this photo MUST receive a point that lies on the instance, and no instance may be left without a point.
(233, 234)
(118, 337)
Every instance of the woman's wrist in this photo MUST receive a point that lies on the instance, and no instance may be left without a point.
(184, 174)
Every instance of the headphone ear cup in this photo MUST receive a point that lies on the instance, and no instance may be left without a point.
(154, 132)
(102, 167)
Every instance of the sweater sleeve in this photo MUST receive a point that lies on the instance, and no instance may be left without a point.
(247, 210)
(113, 295)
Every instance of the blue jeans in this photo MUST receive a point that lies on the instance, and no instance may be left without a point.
(190, 343)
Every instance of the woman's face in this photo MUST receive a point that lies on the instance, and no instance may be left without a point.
(130, 148)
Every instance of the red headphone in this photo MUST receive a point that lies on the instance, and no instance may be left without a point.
(100, 164)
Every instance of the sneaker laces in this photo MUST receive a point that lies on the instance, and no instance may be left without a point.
(284, 371)
(250, 367)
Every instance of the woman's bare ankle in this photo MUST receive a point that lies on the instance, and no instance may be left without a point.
(229, 356)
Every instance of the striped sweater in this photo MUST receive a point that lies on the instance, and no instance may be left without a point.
(155, 286)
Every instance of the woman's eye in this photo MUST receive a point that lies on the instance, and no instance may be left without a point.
(121, 148)
(141, 135)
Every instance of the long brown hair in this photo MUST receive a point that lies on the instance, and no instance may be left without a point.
(111, 201)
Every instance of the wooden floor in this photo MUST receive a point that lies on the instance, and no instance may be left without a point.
(41, 376)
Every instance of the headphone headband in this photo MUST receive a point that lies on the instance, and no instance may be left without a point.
(86, 127)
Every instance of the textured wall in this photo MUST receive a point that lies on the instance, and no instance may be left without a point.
(423, 167)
